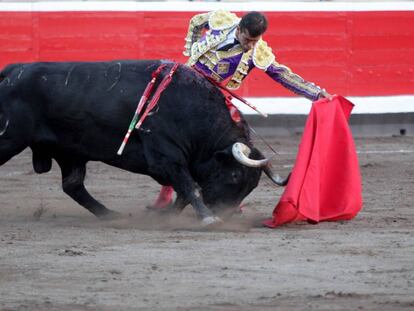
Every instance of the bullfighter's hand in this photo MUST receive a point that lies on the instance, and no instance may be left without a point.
(325, 94)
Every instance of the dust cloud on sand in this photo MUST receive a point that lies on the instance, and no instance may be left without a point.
(54, 255)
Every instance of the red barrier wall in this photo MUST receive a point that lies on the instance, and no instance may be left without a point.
(349, 53)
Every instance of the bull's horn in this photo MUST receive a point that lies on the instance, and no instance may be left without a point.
(241, 154)
(3, 130)
(275, 177)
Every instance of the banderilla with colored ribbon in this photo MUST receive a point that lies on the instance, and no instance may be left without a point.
(141, 104)
(135, 123)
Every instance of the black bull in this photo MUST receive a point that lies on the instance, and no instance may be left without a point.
(79, 112)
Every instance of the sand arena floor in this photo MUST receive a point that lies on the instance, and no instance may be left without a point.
(54, 255)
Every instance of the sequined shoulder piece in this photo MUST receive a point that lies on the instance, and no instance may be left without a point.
(263, 56)
(220, 20)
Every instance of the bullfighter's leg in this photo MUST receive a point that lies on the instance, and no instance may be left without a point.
(179, 204)
(164, 198)
(73, 176)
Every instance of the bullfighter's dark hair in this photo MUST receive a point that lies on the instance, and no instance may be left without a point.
(254, 22)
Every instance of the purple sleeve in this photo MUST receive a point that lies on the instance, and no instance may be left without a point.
(293, 82)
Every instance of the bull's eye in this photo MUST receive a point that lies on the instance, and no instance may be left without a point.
(235, 176)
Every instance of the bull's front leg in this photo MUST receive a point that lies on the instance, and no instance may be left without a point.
(187, 191)
(203, 212)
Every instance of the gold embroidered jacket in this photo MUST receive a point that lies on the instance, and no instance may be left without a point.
(233, 63)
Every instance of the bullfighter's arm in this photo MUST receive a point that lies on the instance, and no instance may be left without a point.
(197, 24)
(264, 59)
(294, 82)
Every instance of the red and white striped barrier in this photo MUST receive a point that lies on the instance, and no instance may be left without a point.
(364, 51)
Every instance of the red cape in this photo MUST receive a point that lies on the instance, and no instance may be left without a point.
(325, 184)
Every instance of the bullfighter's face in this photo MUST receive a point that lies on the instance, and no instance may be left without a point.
(247, 42)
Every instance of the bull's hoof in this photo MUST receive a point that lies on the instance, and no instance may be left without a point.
(210, 221)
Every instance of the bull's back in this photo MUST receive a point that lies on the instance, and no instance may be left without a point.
(87, 106)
